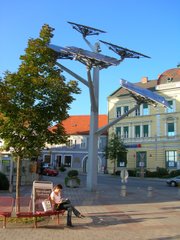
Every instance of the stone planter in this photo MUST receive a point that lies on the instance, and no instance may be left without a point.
(72, 182)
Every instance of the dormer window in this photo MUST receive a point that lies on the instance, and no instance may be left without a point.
(169, 79)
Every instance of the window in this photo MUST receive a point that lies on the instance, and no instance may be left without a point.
(122, 160)
(126, 109)
(126, 132)
(83, 143)
(102, 142)
(118, 111)
(5, 166)
(47, 158)
(169, 79)
(121, 110)
(172, 107)
(137, 112)
(67, 161)
(145, 109)
(58, 161)
(145, 131)
(118, 131)
(137, 131)
(170, 129)
(171, 159)
(141, 159)
(70, 143)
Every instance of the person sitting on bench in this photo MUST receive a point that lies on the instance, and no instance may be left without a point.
(63, 204)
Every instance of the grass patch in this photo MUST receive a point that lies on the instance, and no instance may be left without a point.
(22, 220)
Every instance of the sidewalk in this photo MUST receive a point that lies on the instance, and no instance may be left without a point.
(109, 216)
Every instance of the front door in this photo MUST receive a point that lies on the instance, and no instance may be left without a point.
(141, 162)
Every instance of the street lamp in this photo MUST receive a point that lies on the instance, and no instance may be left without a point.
(96, 61)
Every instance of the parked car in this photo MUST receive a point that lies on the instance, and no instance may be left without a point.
(173, 181)
(50, 171)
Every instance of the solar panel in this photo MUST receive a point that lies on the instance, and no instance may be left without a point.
(124, 52)
(97, 58)
(144, 95)
(86, 57)
(61, 52)
(85, 30)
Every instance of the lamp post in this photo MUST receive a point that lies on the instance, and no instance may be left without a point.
(96, 61)
(93, 61)
(93, 136)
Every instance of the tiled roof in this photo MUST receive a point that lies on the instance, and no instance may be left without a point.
(80, 124)
(171, 75)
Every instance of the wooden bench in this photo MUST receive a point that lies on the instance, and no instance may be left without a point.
(6, 208)
(24, 210)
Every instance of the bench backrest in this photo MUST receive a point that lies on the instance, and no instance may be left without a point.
(6, 204)
(24, 204)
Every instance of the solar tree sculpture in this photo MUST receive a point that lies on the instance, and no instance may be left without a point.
(95, 61)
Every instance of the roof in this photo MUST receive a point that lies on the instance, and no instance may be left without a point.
(148, 85)
(80, 124)
(171, 75)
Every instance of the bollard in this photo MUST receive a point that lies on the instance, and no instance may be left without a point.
(149, 193)
(123, 191)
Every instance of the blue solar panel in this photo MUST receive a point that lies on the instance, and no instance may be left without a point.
(85, 56)
(94, 56)
(62, 52)
(124, 52)
(86, 30)
(144, 94)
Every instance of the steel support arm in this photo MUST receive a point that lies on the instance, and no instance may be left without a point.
(85, 82)
(105, 128)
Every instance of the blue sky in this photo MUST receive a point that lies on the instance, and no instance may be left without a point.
(151, 27)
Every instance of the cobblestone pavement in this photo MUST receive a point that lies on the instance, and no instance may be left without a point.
(109, 216)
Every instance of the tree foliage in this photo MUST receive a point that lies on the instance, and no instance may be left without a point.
(115, 149)
(34, 98)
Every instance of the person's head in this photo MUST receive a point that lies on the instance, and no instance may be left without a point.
(58, 187)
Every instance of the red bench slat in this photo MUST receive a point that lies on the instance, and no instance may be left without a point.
(24, 209)
(6, 208)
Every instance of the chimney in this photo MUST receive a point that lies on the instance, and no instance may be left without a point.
(144, 79)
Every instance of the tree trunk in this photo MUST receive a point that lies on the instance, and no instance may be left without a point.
(18, 177)
(114, 168)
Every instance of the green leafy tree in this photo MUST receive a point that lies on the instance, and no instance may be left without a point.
(34, 99)
(115, 150)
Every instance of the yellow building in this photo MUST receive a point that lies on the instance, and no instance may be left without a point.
(152, 134)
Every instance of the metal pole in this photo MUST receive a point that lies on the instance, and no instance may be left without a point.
(106, 127)
(93, 137)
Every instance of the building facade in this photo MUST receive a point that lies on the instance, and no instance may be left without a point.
(152, 134)
(74, 154)
(8, 167)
